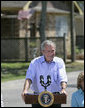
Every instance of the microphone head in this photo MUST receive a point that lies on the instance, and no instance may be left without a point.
(49, 78)
(41, 79)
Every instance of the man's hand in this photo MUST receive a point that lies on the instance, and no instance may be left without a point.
(24, 92)
(26, 87)
(63, 91)
(63, 86)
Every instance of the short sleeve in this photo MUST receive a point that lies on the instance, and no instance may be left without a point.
(31, 72)
(62, 71)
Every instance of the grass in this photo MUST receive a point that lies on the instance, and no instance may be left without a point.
(15, 71)
(75, 66)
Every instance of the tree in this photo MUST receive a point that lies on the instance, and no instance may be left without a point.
(72, 33)
(43, 21)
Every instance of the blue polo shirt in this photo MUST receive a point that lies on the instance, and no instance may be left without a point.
(38, 67)
(77, 99)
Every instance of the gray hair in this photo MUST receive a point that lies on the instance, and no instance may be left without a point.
(47, 42)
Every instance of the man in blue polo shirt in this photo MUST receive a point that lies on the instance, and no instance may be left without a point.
(46, 65)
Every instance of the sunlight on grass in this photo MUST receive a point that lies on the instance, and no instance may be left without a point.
(15, 71)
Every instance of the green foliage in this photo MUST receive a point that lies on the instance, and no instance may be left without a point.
(79, 51)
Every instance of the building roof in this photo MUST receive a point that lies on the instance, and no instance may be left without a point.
(9, 4)
(52, 6)
(52, 10)
(12, 7)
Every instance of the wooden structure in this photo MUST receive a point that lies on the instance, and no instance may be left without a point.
(33, 99)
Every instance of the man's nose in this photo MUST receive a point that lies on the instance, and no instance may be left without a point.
(51, 53)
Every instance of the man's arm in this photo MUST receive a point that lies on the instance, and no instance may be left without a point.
(62, 76)
(26, 87)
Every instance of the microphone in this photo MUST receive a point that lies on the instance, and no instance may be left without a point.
(41, 79)
(49, 79)
(45, 85)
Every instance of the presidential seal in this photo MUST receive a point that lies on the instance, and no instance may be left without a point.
(46, 98)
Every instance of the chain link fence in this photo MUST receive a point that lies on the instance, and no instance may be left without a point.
(25, 49)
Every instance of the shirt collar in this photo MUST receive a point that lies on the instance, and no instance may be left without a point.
(43, 60)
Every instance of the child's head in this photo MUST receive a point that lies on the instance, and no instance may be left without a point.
(80, 81)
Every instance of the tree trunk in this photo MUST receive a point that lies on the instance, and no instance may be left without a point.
(43, 21)
(72, 33)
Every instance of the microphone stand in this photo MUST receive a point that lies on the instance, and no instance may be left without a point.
(45, 85)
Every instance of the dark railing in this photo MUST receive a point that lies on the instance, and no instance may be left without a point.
(80, 42)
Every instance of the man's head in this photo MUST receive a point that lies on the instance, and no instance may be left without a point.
(48, 49)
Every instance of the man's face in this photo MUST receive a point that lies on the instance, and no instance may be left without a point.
(49, 52)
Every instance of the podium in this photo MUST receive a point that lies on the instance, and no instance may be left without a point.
(45, 98)
(33, 99)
